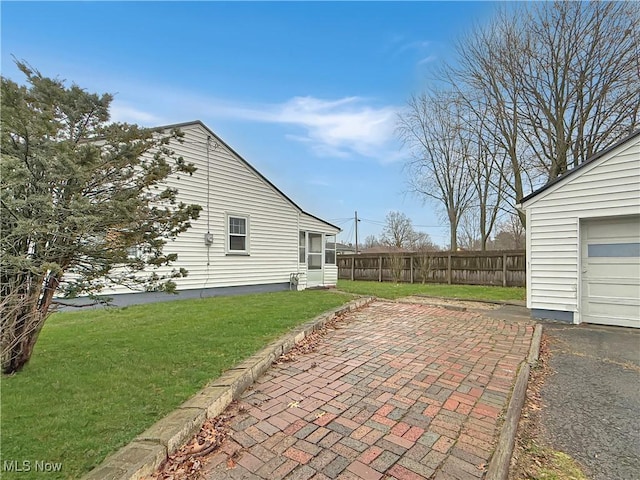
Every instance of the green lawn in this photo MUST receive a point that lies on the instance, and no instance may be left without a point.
(466, 292)
(98, 378)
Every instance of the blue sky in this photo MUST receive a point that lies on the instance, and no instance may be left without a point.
(307, 92)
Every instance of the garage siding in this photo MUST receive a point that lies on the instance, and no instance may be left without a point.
(608, 187)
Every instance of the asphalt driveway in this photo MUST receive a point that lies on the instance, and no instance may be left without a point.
(591, 404)
(398, 390)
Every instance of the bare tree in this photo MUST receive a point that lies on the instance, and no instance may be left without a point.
(398, 230)
(486, 166)
(485, 77)
(555, 83)
(579, 78)
(424, 265)
(510, 235)
(396, 263)
(400, 234)
(433, 127)
(421, 242)
(371, 241)
(469, 230)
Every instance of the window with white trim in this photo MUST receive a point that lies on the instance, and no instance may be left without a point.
(237, 234)
(302, 247)
(134, 252)
(330, 250)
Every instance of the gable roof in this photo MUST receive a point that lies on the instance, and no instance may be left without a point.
(247, 164)
(587, 162)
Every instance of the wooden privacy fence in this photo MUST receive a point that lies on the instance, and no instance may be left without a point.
(503, 268)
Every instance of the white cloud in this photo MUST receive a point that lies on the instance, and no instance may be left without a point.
(417, 45)
(319, 182)
(347, 127)
(427, 59)
(340, 127)
(121, 112)
(400, 45)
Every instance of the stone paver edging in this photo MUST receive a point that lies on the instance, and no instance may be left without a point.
(150, 449)
(499, 465)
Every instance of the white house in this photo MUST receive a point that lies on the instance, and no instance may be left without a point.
(250, 236)
(583, 241)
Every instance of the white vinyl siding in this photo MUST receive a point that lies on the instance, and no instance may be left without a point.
(235, 190)
(608, 187)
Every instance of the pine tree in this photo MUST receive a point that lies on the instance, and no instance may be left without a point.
(78, 193)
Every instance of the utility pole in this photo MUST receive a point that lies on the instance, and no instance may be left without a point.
(357, 232)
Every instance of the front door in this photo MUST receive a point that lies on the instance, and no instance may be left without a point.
(314, 260)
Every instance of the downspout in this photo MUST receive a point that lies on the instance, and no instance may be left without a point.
(298, 248)
(208, 237)
(297, 251)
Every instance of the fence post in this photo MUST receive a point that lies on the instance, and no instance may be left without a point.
(379, 269)
(449, 269)
(411, 268)
(353, 268)
(504, 269)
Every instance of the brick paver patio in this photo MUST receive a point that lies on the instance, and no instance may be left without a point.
(400, 391)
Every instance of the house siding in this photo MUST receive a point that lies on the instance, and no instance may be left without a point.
(234, 189)
(330, 272)
(609, 187)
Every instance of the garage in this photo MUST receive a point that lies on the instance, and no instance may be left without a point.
(583, 241)
(611, 271)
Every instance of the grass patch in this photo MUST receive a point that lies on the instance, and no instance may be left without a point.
(466, 292)
(98, 378)
(545, 463)
(561, 467)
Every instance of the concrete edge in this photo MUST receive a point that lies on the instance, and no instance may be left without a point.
(534, 350)
(514, 303)
(501, 458)
(149, 450)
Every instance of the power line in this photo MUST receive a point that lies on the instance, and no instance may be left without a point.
(349, 235)
(374, 222)
(342, 222)
(383, 223)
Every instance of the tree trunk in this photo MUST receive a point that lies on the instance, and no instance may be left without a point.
(23, 316)
(20, 333)
(453, 240)
(517, 183)
(483, 225)
(453, 229)
(20, 353)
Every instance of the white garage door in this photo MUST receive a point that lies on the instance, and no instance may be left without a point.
(611, 271)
